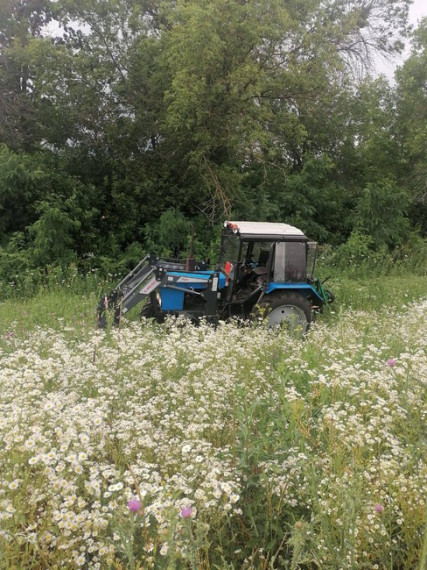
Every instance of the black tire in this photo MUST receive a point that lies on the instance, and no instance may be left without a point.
(288, 309)
(147, 311)
(330, 297)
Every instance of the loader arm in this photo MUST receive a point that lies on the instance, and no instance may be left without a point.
(133, 289)
(173, 282)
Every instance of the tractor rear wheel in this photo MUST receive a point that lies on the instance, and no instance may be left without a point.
(288, 309)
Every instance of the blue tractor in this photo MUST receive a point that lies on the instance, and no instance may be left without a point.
(264, 272)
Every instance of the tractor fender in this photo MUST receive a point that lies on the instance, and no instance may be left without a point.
(304, 289)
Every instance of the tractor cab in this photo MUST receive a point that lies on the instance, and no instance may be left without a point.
(258, 257)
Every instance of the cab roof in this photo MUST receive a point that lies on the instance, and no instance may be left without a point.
(268, 231)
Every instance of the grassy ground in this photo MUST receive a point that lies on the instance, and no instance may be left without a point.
(183, 447)
(76, 305)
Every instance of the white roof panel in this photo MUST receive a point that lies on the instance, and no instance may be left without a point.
(264, 228)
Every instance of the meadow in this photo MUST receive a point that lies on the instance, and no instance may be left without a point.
(175, 446)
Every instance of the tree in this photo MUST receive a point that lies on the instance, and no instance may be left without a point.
(412, 123)
(44, 213)
(210, 108)
(381, 213)
(18, 191)
(20, 20)
(249, 81)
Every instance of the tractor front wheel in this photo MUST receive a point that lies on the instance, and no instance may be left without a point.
(148, 311)
(288, 309)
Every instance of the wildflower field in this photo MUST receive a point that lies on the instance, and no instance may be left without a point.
(177, 446)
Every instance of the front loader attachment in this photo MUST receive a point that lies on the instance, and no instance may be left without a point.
(135, 287)
(192, 293)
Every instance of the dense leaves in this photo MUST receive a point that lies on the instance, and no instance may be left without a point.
(119, 119)
(412, 123)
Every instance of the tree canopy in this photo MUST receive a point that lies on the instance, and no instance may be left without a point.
(114, 113)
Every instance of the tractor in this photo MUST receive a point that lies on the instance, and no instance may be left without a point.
(265, 272)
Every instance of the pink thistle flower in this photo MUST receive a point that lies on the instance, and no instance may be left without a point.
(134, 505)
(379, 508)
(391, 362)
(186, 512)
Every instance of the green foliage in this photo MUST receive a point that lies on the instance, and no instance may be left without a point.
(19, 176)
(52, 235)
(20, 21)
(126, 111)
(14, 257)
(46, 217)
(358, 257)
(169, 237)
(412, 123)
(313, 201)
(381, 214)
(358, 249)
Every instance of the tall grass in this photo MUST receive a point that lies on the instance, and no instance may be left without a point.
(73, 299)
(190, 447)
(60, 297)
